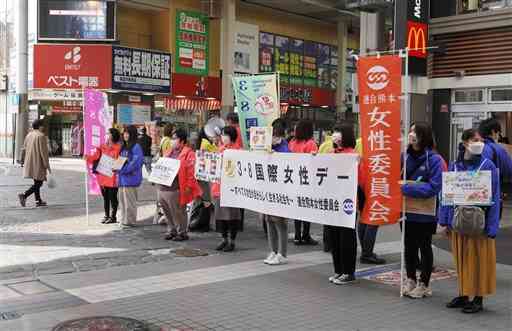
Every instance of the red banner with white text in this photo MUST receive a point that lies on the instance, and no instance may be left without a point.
(380, 88)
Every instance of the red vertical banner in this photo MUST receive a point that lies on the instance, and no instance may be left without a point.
(380, 87)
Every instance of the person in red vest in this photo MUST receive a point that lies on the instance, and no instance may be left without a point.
(232, 120)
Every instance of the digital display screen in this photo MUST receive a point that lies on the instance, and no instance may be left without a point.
(76, 20)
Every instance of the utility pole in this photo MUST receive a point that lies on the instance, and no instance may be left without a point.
(21, 75)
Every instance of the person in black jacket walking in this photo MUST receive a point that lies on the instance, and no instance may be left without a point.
(145, 142)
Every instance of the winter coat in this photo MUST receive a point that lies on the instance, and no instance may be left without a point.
(186, 176)
(303, 146)
(426, 170)
(492, 215)
(239, 142)
(145, 142)
(499, 156)
(109, 150)
(282, 147)
(37, 162)
(130, 174)
(215, 187)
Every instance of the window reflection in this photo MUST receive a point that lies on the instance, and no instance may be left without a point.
(467, 6)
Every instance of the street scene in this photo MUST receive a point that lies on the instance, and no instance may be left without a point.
(255, 165)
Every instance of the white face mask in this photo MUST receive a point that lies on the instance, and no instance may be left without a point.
(276, 140)
(226, 140)
(336, 138)
(413, 139)
(476, 148)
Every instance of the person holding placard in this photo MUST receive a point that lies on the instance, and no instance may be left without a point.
(277, 227)
(474, 255)
(228, 220)
(183, 190)
(130, 176)
(108, 184)
(424, 179)
(303, 142)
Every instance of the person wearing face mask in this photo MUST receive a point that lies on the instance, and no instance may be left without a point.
(475, 257)
(227, 220)
(108, 185)
(184, 188)
(277, 227)
(424, 179)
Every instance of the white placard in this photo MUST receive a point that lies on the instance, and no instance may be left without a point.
(467, 188)
(105, 165)
(316, 188)
(260, 138)
(119, 162)
(164, 171)
(208, 167)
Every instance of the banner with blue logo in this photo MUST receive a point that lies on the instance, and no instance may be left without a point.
(315, 188)
(257, 101)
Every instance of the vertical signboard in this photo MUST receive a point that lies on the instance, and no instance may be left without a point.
(379, 93)
(192, 43)
(245, 55)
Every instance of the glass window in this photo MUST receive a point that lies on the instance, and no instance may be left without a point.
(501, 95)
(468, 96)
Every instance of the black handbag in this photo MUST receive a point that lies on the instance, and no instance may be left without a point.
(200, 218)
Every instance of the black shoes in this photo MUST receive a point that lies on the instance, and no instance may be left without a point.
(23, 200)
(222, 245)
(229, 247)
(41, 203)
(305, 241)
(105, 220)
(458, 302)
(180, 237)
(474, 306)
(170, 236)
(372, 259)
(111, 220)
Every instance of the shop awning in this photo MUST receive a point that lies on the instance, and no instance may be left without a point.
(190, 104)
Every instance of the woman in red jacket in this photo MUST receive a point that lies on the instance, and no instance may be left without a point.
(303, 143)
(184, 189)
(228, 220)
(109, 185)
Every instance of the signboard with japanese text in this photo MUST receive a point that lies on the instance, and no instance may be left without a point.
(296, 61)
(282, 58)
(315, 188)
(208, 166)
(141, 70)
(257, 100)
(192, 32)
(379, 101)
(56, 95)
(133, 114)
(245, 57)
(266, 52)
(98, 118)
(164, 171)
(105, 165)
(72, 66)
(261, 138)
(467, 188)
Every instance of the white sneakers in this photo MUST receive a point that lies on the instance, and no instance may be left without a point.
(333, 277)
(421, 291)
(409, 286)
(275, 259)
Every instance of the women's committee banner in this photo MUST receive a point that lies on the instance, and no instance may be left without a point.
(257, 101)
(314, 188)
(379, 103)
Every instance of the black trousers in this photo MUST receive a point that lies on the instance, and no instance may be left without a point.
(418, 238)
(302, 230)
(343, 243)
(228, 228)
(35, 189)
(110, 200)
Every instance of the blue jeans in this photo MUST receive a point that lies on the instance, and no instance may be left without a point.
(367, 235)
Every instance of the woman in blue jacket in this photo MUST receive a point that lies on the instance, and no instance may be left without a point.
(130, 176)
(424, 179)
(475, 257)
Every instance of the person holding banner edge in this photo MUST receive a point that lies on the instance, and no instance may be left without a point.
(108, 185)
(424, 179)
(474, 256)
(303, 142)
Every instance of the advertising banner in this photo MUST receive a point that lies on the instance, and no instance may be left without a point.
(316, 188)
(72, 66)
(245, 55)
(141, 70)
(130, 114)
(379, 101)
(98, 118)
(192, 30)
(467, 188)
(257, 101)
(208, 166)
(164, 171)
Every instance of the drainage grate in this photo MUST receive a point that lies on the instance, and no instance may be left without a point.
(12, 315)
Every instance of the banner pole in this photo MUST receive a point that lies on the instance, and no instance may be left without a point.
(278, 93)
(405, 140)
(86, 195)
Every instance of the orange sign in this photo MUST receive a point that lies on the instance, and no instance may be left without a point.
(379, 102)
(417, 35)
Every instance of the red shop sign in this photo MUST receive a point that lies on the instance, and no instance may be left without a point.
(72, 66)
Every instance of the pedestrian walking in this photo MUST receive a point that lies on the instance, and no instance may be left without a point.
(109, 186)
(424, 179)
(277, 227)
(227, 220)
(130, 176)
(343, 241)
(36, 163)
(474, 256)
(184, 188)
(145, 143)
(303, 142)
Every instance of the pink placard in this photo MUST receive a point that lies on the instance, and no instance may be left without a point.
(98, 118)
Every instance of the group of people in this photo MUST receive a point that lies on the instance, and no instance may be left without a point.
(474, 256)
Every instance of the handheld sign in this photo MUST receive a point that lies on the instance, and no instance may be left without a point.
(164, 171)
(260, 138)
